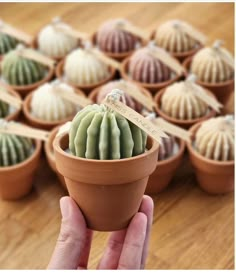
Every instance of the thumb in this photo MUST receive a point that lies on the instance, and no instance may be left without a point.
(72, 237)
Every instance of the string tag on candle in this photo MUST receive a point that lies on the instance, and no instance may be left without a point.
(191, 31)
(112, 102)
(136, 93)
(165, 58)
(71, 96)
(16, 33)
(223, 53)
(22, 130)
(35, 56)
(10, 99)
(126, 26)
(106, 59)
(202, 94)
(60, 26)
(172, 129)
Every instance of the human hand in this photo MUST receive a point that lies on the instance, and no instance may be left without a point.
(126, 249)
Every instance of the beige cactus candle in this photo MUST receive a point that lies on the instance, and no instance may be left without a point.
(215, 139)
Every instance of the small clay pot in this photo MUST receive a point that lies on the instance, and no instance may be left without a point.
(86, 88)
(215, 177)
(39, 123)
(25, 90)
(34, 45)
(16, 181)
(222, 90)
(153, 88)
(16, 113)
(181, 123)
(117, 56)
(108, 192)
(48, 148)
(165, 171)
(181, 56)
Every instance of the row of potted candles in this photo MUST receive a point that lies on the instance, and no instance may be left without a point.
(80, 66)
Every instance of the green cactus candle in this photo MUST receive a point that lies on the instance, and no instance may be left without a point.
(14, 149)
(99, 133)
(7, 43)
(20, 71)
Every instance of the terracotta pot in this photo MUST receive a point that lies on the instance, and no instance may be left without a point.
(165, 171)
(39, 123)
(215, 177)
(16, 181)
(35, 46)
(16, 113)
(25, 90)
(108, 192)
(221, 90)
(117, 56)
(153, 88)
(181, 56)
(48, 148)
(181, 123)
(86, 88)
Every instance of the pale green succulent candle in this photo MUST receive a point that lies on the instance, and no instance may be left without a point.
(99, 133)
(20, 71)
(14, 149)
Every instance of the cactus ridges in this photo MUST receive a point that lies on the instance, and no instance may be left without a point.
(20, 71)
(14, 149)
(99, 133)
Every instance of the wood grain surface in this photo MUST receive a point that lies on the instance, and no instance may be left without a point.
(191, 229)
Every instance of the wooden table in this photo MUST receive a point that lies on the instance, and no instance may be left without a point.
(191, 230)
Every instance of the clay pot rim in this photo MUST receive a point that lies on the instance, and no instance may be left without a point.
(60, 74)
(124, 73)
(37, 150)
(199, 156)
(33, 86)
(31, 118)
(121, 55)
(184, 54)
(56, 146)
(172, 158)
(48, 145)
(34, 45)
(186, 65)
(157, 99)
(15, 114)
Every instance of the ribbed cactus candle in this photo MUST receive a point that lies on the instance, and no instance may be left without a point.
(209, 67)
(14, 149)
(146, 68)
(179, 101)
(54, 42)
(111, 38)
(215, 139)
(20, 71)
(99, 133)
(171, 36)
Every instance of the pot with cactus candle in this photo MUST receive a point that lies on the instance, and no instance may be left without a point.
(211, 153)
(106, 161)
(19, 158)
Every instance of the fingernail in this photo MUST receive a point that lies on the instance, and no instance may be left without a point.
(65, 207)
